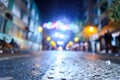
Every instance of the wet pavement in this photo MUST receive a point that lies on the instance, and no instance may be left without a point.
(82, 68)
(30, 67)
(60, 65)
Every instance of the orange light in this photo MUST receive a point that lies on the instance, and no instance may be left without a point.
(91, 28)
(89, 31)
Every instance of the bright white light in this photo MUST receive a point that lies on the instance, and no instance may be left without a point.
(91, 28)
(61, 36)
(56, 34)
(63, 27)
(58, 25)
(60, 42)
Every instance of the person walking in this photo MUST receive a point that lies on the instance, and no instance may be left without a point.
(118, 38)
(108, 41)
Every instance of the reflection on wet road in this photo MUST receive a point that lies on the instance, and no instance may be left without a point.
(27, 68)
(60, 65)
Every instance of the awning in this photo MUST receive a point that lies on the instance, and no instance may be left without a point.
(112, 27)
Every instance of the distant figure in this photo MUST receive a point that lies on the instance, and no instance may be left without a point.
(14, 44)
(108, 40)
(118, 38)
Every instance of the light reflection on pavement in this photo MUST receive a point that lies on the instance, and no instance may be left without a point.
(60, 65)
(73, 66)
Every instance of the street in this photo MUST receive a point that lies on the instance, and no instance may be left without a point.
(26, 67)
(60, 65)
(59, 39)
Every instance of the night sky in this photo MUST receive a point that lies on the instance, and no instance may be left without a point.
(53, 10)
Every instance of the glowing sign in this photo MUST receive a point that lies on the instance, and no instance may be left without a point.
(57, 25)
(61, 26)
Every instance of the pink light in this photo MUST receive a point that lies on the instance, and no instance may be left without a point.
(57, 25)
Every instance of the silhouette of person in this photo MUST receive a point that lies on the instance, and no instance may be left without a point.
(108, 39)
(118, 38)
(14, 44)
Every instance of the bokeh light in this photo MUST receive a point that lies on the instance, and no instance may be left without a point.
(70, 43)
(40, 29)
(53, 43)
(48, 38)
(91, 28)
(62, 26)
(76, 39)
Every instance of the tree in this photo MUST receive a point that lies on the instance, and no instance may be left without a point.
(114, 11)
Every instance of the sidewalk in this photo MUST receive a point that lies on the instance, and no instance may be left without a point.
(9, 54)
(110, 54)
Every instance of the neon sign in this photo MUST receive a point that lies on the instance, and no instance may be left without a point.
(61, 26)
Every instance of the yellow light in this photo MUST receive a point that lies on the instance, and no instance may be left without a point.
(88, 31)
(91, 28)
(53, 43)
(70, 43)
(76, 39)
(40, 29)
(48, 38)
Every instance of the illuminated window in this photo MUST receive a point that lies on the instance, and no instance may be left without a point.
(16, 10)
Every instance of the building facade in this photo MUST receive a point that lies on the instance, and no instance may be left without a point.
(95, 14)
(35, 22)
(15, 21)
(102, 14)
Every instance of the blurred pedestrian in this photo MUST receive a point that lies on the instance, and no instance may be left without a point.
(14, 44)
(118, 38)
(108, 41)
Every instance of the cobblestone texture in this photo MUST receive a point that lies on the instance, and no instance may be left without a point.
(68, 68)
(60, 65)
(23, 69)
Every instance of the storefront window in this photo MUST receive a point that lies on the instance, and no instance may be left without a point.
(25, 18)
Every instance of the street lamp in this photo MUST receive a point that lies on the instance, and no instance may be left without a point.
(88, 31)
(91, 28)
(48, 38)
(40, 29)
(76, 39)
